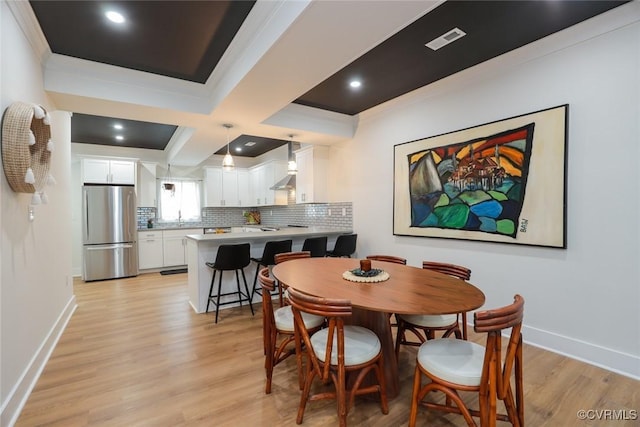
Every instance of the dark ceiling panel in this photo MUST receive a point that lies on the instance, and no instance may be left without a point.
(99, 130)
(403, 63)
(261, 146)
(186, 39)
(180, 39)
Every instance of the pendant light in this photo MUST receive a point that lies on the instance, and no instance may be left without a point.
(292, 167)
(168, 185)
(227, 162)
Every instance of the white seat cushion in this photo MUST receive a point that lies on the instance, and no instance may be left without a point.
(284, 319)
(360, 345)
(453, 360)
(431, 321)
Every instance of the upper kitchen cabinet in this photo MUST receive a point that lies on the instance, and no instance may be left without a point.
(312, 178)
(226, 188)
(108, 171)
(147, 191)
(263, 177)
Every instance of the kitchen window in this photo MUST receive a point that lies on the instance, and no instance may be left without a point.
(183, 203)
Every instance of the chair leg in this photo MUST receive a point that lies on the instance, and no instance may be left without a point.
(218, 297)
(239, 290)
(255, 282)
(413, 415)
(213, 280)
(464, 325)
(246, 287)
(269, 359)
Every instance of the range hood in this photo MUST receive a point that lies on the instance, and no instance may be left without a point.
(285, 183)
(289, 181)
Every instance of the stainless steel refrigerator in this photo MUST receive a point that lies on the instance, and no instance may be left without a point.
(109, 232)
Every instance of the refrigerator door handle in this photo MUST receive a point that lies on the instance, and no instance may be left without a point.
(129, 209)
(86, 216)
(109, 247)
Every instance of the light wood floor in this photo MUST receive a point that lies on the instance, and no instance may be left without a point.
(135, 354)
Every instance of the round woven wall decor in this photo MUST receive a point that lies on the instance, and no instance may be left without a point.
(25, 160)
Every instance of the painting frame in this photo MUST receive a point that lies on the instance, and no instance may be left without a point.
(502, 182)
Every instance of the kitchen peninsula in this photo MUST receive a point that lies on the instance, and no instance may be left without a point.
(203, 248)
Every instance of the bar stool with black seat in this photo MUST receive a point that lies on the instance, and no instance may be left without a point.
(316, 245)
(230, 258)
(267, 259)
(345, 246)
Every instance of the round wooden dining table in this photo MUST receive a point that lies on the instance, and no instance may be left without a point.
(408, 290)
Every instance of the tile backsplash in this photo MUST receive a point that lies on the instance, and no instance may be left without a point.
(314, 214)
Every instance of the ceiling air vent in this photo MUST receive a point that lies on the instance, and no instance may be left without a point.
(445, 39)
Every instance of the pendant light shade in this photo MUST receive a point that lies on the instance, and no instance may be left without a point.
(227, 162)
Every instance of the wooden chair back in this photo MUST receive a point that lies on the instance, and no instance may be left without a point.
(335, 310)
(288, 256)
(451, 269)
(388, 258)
(268, 317)
(496, 373)
(458, 271)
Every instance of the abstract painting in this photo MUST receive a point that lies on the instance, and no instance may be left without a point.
(503, 181)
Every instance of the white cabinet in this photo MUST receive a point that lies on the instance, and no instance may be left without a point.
(312, 178)
(244, 197)
(213, 187)
(150, 249)
(147, 187)
(108, 171)
(226, 188)
(262, 178)
(174, 246)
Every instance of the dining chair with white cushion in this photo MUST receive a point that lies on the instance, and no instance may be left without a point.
(335, 352)
(423, 326)
(279, 323)
(454, 366)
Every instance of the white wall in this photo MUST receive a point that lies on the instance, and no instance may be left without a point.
(36, 294)
(582, 301)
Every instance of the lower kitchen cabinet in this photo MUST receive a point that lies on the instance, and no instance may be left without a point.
(174, 245)
(150, 249)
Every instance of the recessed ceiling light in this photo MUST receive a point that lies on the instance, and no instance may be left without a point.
(114, 16)
(238, 149)
(119, 137)
(117, 126)
(355, 84)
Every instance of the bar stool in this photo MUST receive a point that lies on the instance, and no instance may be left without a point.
(316, 245)
(230, 257)
(345, 246)
(268, 258)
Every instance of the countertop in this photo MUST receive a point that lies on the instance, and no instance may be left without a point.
(171, 227)
(281, 233)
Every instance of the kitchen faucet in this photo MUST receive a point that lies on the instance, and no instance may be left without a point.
(179, 218)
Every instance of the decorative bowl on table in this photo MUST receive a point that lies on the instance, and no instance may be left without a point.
(362, 273)
(370, 276)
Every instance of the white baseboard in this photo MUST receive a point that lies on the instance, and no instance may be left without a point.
(602, 357)
(593, 354)
(18, 396)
